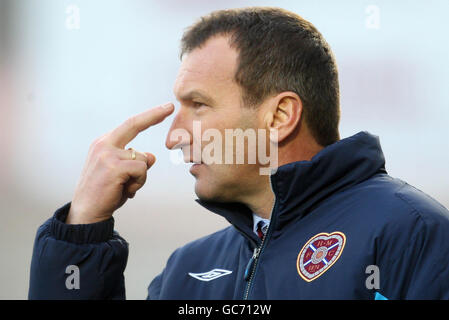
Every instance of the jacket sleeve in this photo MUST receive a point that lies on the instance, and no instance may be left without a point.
(83, 261)
(414, 258)
(154, 289)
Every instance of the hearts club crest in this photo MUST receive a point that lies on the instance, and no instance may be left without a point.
(319, 254)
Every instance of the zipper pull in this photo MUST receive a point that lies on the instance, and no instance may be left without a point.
(250, 264)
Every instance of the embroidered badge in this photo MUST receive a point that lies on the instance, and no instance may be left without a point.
(319, 254)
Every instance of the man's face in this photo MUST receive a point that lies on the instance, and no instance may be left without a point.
(208, 95)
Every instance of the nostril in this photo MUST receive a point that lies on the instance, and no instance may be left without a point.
(177, 138)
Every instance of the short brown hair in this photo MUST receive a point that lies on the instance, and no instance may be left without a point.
(278, 51)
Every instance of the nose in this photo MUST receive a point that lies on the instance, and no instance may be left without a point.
(178, 136)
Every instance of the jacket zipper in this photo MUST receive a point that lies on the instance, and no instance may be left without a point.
(251, 267)
(252, 263)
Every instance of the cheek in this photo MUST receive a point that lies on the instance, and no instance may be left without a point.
(231, 177)
(226, 182)
(216, 133)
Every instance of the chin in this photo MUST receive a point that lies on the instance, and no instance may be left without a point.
(207, 192)
(203, 192)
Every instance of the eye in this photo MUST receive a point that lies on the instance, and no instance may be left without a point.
(197, 104)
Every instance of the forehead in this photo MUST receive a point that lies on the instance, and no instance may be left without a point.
(207, 69)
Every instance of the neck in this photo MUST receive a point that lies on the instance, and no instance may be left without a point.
(262, 202)
(298, 147)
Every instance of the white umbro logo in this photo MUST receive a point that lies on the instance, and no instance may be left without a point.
(210, 275)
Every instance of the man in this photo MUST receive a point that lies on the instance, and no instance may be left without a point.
(329, 223)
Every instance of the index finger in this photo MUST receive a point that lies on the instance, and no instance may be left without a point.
(129, 129)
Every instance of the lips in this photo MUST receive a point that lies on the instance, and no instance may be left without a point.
(194, 168)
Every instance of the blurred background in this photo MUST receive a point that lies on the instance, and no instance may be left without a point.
(73, 70)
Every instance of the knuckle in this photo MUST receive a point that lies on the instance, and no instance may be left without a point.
(104, 156)
(130, 189)
(142, 173)
(143, 179)
(143, 166)
(100, 138)
(133, 188)
(107, 162)
(97, 146)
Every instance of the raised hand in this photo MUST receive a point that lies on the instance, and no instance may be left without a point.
(111, 174)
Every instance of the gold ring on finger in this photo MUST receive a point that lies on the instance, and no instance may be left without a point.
(133, 154)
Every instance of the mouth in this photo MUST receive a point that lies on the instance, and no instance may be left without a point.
(192, 159)
(194, 162)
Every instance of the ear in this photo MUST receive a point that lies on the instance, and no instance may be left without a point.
(283, 115)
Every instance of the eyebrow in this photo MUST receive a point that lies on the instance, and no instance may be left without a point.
(195, 94)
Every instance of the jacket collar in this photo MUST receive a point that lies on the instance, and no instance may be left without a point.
(301, 186)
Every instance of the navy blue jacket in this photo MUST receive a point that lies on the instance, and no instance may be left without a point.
(341, 228)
